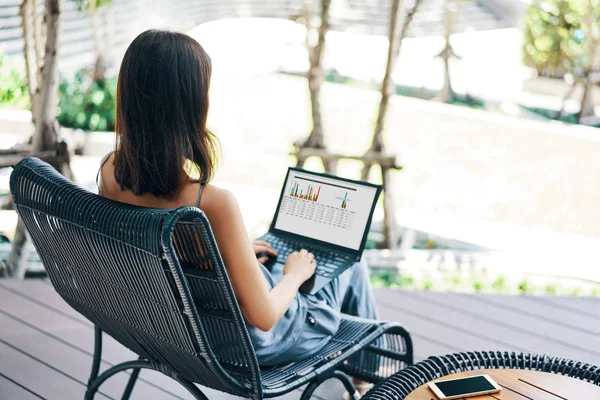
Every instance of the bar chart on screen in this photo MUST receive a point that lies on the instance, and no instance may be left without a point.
(325, 208)
(309, 193)
(319, 202)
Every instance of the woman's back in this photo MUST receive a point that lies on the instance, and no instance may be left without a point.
(187, 194)
(165, 157)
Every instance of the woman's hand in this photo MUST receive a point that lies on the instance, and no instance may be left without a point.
(261, 247)
(300, 264)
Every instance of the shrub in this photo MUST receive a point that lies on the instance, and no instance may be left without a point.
(556, 37)
(13, 84)
(86, 104)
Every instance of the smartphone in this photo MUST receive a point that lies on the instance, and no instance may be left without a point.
(464, 387)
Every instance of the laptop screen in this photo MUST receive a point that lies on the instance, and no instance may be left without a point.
(326, 208)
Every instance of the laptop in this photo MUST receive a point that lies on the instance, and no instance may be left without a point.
(326, 215)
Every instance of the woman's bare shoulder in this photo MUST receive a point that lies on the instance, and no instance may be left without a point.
(215, 198)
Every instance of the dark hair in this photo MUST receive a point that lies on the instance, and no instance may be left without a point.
(162, 106)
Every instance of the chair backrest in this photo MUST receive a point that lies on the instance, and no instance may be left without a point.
(151, 278)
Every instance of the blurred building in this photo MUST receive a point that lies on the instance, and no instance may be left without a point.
(129, 17)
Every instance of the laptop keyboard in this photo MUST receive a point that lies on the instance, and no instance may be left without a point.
(328, 262)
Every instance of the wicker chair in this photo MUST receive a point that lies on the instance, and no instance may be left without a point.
(401, 384)
(154, 280)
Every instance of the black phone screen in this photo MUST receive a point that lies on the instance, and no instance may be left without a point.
(464, 386)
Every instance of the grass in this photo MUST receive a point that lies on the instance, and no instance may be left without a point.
(402, 90)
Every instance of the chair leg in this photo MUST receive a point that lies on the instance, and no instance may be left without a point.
(310, 389)
(97, 354)
(89, 394)
(136, 365)
(339, 375)
(193, 389)
(347, 382)
(130, 383)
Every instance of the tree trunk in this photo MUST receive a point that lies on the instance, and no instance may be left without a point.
(30, 70)
(46, 135)
(17, 259)
(587, 102)
(395, 38)
(100, 64)
(39, 37)
(446, 94)
(37, 34)
(315, 77)
(567, 96)
(45, 130)
(390, 229)
(109, 29)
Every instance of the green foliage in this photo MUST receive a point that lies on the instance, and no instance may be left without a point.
(86, 104)
(332, 75)
(552, 114)
(576, 291)
(90, 5)
(557, 38)
(456, 279)
(370, 244)
(387, 278)
(427, 284)
(499, 284)
(406, 281)
(480, 282)
(550, 289)
(468, 101)
(525, 287)
(13, 87)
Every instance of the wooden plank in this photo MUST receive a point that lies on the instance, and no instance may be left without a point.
(525, 305)
(68, 360)
(10, 390)
(79, 334)
(469, 326)
(430, 323)
(544, 328)
(428, 338)
(42, 293)
(70, 332)
(586, 306)
(38, 377)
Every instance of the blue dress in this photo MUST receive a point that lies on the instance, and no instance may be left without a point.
(312, 319)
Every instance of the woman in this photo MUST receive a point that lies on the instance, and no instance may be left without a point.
(162, 107)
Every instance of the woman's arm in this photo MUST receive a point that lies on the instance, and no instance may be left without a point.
(261, 307)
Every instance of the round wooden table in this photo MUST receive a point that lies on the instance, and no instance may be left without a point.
(519, 384)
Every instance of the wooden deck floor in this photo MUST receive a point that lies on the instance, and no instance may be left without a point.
(46, 347)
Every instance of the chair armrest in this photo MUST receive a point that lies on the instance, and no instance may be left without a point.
(387, 350)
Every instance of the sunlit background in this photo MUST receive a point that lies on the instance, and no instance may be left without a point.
(499, 188)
